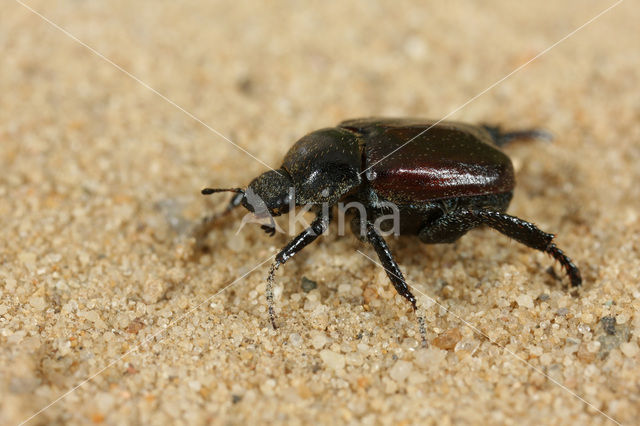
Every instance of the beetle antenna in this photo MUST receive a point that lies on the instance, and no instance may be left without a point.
(208, 191)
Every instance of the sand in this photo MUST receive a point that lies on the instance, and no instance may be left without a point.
(110, 315)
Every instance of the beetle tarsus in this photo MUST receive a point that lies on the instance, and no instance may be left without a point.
(423, 330)
(570, 268)
(269, 230)
(269, 293)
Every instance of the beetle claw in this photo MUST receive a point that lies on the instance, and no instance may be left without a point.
(269, 230)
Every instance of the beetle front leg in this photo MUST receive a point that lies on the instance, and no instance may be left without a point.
(319, 225)
(201, 230)
(395, 275)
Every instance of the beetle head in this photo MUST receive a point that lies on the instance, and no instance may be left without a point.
(267, 195)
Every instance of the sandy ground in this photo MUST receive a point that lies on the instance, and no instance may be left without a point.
(101, 288)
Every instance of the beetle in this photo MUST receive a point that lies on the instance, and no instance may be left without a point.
(445, 178)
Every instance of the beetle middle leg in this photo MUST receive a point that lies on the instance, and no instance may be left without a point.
(459, 222)
(393, 272)
(306, 237)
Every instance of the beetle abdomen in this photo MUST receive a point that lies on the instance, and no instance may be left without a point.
(449, 160)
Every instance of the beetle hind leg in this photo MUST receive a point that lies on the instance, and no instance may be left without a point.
(520, 230)
(501, 138)
(532, 236)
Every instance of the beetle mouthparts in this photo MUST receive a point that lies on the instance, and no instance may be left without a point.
(208, 191)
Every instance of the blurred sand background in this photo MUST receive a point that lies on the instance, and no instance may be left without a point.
(100, 183)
